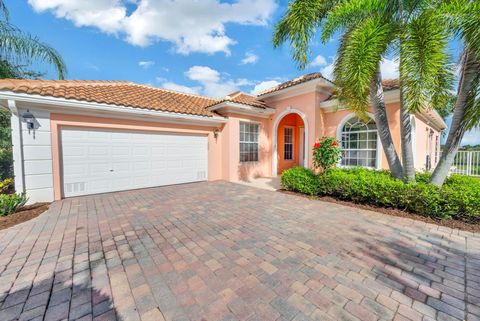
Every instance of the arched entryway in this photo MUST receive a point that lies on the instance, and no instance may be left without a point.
(290, 141)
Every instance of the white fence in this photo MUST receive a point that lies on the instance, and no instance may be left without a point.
(467, 163)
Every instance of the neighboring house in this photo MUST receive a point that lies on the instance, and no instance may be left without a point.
(74, 138)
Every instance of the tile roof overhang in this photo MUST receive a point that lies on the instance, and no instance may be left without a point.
(106, 96)
(120, 93)
(315, 78)
(242, 103)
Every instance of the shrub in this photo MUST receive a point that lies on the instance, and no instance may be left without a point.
(459, 198)
(326, 154)
(10, 203)
(299, 179)
(6, 185)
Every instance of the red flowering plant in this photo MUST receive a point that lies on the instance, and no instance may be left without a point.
(326, 154)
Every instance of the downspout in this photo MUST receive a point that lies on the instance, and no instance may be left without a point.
(17, 147)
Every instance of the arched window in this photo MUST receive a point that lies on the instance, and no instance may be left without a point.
(359, 143)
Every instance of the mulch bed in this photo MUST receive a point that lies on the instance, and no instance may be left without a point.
(24, 214)
(455, 224)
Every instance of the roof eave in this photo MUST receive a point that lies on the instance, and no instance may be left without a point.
(244, 109)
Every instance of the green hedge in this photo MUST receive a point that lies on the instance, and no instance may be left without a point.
(459, 198)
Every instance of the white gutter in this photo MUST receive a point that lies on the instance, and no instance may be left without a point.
(92, 106)
(17, 147)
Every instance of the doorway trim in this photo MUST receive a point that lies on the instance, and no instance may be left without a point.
(287, 111)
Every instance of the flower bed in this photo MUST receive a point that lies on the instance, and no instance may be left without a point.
(459, 198)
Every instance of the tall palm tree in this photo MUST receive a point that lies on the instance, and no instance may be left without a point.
(370, 31)
(18, 49)
(464, 20)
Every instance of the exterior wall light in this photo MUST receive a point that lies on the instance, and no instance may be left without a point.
(29, 119)
(215, 132)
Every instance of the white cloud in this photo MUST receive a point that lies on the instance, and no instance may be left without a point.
(184, 89)
(388, 67)
(146, 64)
(192, 26)
(250, 58)
(264, 85)
(319, 61)
(213, 83)
(327, 71)
(203, 74)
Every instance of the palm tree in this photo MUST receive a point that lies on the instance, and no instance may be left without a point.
(464, 20)
(370, 31)
(18, 49)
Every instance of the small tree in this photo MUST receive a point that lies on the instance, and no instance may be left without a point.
(326, 154)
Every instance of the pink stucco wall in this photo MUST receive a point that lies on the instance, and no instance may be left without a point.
(422, 145)
(233, 169)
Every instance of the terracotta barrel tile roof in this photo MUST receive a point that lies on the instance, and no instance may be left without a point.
(293, 82)
(390, 84)
(242, 98)
(121, 93)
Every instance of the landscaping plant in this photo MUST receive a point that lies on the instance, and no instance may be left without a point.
(326, 154)
(6, 185)
(10, 203)
(458, 198)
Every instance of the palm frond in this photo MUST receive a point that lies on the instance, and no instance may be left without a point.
(17, 46)
(425, 68)
(298, 26)
(4, 10)
(463, 18)
(360, 53)
(472, 106)
(352, 12)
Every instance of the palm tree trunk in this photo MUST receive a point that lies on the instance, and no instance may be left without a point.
(406, 142)
(470, 68)
(405, 120)
(378, 102)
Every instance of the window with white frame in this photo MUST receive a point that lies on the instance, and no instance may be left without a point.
(249, 133)
(288, 143)
(359, 143)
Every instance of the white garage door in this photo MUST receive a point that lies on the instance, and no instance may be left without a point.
(100, 161)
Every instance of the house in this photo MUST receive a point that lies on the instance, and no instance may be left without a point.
(74, 138)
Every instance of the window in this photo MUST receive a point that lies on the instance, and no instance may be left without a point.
(249, 142)
(359, 143)
(288, 143)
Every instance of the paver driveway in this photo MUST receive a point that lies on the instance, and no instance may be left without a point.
(223, 251)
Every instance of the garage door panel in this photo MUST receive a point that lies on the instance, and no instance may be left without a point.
(120, 151)
(74, 151)
(121, 167)
(98, 151)
(98, 161)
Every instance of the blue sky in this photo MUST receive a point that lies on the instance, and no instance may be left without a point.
(209, 47)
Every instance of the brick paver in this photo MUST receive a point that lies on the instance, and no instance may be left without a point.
(223, 251)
